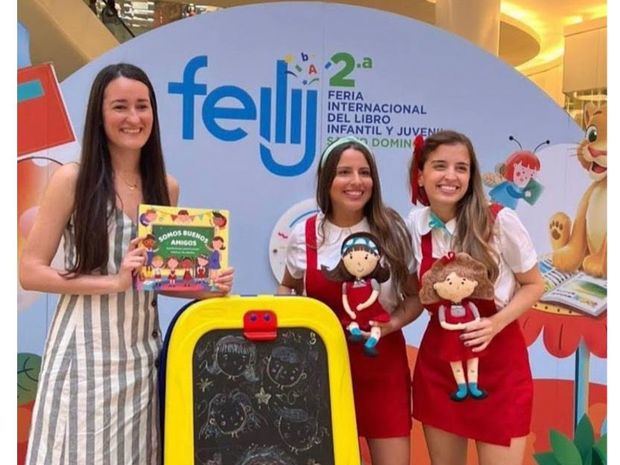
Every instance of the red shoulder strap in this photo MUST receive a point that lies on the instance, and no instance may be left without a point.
(427, 242)
(495, 208)
(427, 254)
(311, 248)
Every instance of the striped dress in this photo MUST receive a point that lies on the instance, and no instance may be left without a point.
(97, 395)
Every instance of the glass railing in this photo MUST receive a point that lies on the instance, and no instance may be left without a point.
(574, 102)
(129, 18)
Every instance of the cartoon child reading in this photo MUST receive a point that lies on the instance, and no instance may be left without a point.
(516, 179)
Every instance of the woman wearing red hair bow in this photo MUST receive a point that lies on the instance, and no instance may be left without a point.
(457, 217)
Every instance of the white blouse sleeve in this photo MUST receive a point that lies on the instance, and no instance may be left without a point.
(411, 265)
(412, 221)
(515, 243)
(296, 251)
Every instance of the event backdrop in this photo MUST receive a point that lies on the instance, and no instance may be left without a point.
(249, 96)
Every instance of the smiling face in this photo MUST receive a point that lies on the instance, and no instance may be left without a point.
(455, 288)
(285, 367)
(219, 220)
(127, 114)
(445, 177)
(523, 175)
(233, 363)
(234, 355)
(298, 430)
(360, 262)
(351, 188)
(172, 263)
(228, 413)
(592, 151)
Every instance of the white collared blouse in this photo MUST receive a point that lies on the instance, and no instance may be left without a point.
(329, 253)
(511, 240)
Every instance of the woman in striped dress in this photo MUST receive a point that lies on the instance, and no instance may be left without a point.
(97, 399)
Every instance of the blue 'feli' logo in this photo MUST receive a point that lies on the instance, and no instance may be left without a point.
(213, 111)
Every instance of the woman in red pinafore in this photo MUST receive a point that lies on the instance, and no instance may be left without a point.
(445, 177)
(349, 197)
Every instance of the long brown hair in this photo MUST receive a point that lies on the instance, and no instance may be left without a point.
(474, 223)
(384, 222)
(94, 192)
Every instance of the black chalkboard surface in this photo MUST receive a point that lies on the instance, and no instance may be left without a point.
(261, 403)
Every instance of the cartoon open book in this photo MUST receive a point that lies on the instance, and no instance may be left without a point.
(573, 291)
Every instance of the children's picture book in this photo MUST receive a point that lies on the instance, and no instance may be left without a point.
(532, 191)
(185, 247)
(573, 291)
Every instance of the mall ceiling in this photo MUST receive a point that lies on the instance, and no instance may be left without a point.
(531, 31)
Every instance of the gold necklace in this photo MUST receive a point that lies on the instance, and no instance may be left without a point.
(132, 187)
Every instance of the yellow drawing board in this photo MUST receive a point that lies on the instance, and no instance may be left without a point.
(256, 380)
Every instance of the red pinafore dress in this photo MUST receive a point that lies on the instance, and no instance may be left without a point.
(452, 348)
(381, 384)
(358, 293)
(503, 372)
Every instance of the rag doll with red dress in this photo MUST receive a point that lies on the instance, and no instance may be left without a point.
(361, 274)
(452, 287)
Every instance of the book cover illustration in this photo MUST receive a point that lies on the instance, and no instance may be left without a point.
(573, 291)
(532, 191)
(185, 247)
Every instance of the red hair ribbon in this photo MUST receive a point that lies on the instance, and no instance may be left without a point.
(417, 192)
(447, 258)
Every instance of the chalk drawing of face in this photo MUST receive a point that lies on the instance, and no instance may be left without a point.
(231, 415)
(235, 356)
(285, 367)
(298, 429)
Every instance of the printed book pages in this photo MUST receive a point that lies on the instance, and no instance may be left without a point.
(574, 291)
